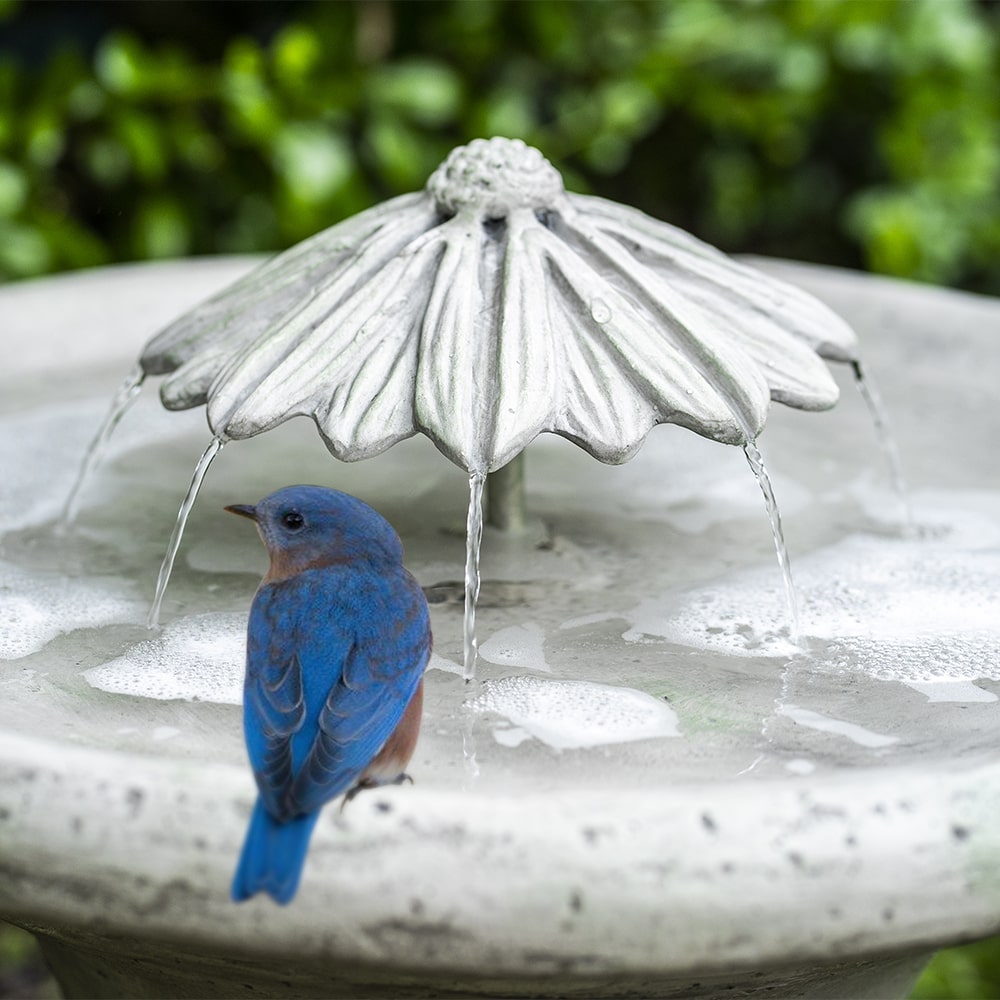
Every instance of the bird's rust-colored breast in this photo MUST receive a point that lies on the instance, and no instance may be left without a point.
(286, 564)
(391, 760)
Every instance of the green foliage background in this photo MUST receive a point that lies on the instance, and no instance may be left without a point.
(863, 133)
(844, 131)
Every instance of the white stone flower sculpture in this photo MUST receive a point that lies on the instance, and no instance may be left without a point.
(492, 306)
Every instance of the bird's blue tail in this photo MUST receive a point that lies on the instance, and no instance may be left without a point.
(273, 856)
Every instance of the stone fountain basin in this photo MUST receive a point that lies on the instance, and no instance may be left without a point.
(811, 820)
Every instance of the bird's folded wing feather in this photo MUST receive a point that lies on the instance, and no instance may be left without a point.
(275, 712)
(281, 648)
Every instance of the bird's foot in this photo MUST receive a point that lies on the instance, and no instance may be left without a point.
(368, 783)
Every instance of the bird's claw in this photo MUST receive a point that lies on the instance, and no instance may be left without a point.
(367, 783)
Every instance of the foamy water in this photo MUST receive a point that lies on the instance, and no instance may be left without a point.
(517, 646)
(572, 714)
(917, 610)
(195, 658)
(38, 606)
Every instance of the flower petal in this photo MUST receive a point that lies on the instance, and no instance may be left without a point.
(253, 304)
(314, 346)
(297, 369)
(699, 376)
(527, 349)
(754, 294)
(451, 387)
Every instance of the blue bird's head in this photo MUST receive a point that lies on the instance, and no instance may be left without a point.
(307, 526)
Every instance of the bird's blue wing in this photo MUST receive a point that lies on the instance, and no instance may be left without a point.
(276, 709)
(380, 675)
(279, 711)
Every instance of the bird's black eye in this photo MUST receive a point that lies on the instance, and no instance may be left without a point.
(292, 520)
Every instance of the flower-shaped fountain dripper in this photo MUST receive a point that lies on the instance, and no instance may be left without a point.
(493, 306)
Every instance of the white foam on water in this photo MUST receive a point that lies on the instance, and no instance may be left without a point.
(517, 646)
(511, 737)
(572, 714)
(800, 765)
(196, 658)
(948, 690)
(826, 724)
(909, 609)
(438, 662)
(36, 607)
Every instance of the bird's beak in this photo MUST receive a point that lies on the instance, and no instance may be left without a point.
(243, 509)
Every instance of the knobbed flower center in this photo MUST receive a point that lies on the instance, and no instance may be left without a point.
(494, 176)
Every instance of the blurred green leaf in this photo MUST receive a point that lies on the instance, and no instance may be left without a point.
(119, 64)
(13, 189)
(508, 111)
(140, 136)
(85, 100)
(24, 251)
(45, 140)
(425, 91)
(162, 229)
(297, 52)
(312, 161)
(107, 161)
(245, 92)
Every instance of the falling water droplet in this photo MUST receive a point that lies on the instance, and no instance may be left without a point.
(213, 449)
(886, 441)
(600, 311)
(756, 461)
(120, 402)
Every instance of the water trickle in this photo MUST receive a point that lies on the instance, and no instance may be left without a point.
(213, 449)
(756, 461)
(121, 401)
(473, 543)
(886, 441)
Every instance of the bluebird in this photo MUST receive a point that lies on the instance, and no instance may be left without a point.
(337, 642)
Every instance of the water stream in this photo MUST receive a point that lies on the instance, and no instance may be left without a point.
(470, 642)
(473, 543)
(887, 443)
(127, 393)
(213, 449)
(756, 461)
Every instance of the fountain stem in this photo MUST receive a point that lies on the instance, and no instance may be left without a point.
(505, 506)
